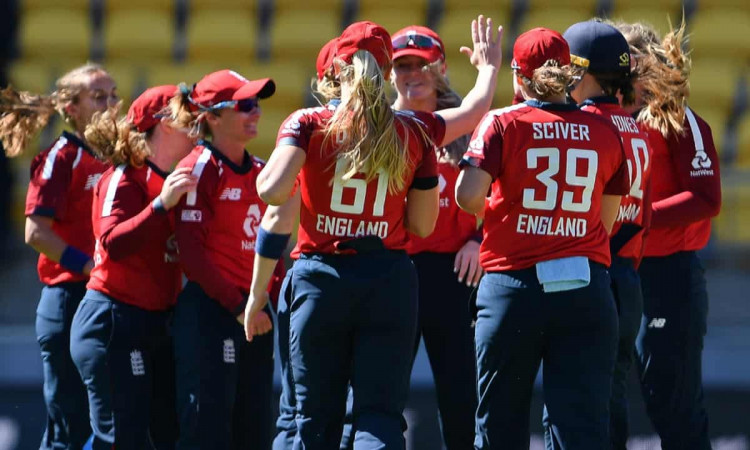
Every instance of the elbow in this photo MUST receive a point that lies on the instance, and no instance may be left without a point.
(271, 197)
(422, 230)
(468, 203)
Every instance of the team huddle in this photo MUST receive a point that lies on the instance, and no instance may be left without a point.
(560, 229)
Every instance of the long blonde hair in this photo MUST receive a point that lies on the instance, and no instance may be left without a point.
(116, 140)
(662, 70)
(363, 126)
(23, 114)
(549, 80)
(327, 88)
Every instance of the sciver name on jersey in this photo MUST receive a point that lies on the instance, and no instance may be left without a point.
(136, 253)
(550, 164)
(334, 211)
(217, 224)
(62, 184)
(639, 160)
(685, 188)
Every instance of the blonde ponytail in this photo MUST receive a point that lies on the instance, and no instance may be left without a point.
(363, 126)
(116, 140)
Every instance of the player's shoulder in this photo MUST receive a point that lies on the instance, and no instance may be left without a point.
(258, 163)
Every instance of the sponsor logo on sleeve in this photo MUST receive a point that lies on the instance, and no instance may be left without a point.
(191, 215)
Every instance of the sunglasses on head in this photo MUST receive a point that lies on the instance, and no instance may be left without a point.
(414, 40)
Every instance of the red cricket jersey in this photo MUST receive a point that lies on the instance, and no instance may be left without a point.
(685, 188)
(639, 155)
(216, 225)
(136, 254)
(334, 212)
(454, 225)
(550, 164)
(62, 184)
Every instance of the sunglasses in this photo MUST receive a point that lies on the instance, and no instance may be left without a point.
(414, 40)
(245, 105)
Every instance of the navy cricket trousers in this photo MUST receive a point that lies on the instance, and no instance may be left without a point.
(626, 287)
(224, 383)
(669, 349)
(575, 334)
(64, 393)
(445, 324)
(122, 353)
(353, 320)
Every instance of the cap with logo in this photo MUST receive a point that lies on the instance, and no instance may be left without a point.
(228, 86)
(418, 41)
(145, 111)
(325, 58)
(598, 47)
(367, 36)
(535, 47)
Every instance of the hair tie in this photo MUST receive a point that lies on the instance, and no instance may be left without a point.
(185, 90)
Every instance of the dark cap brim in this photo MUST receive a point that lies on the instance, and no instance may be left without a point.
(263, 88)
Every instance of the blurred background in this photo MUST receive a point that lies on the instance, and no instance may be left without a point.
(149, 42)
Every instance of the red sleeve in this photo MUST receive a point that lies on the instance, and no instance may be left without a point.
(129, 226)
(428, 167)
(192, 216)
(51, 175)
(697, 165)
(434, 126)
(647, 214)
(295, 130)
(486, 146)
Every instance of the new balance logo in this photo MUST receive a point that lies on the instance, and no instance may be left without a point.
(657, 323)
(701, 165)
(228, 351)
(91, 181)
(231, 194)
(136, 363)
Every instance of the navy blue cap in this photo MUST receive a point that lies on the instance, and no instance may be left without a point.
(598, 47)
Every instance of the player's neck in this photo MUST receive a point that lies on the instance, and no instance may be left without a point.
(231, 148)
(428, 104)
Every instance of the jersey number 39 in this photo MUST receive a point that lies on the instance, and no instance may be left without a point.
(548, 200)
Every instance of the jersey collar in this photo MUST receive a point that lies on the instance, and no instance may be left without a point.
(154, 168)
(601, 99)
(75, 140)
(247, 162)
(548, 106)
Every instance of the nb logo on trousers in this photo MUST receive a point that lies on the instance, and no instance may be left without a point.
(657, 323)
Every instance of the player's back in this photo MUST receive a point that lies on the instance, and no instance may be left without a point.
(334, 210)
(551, 164)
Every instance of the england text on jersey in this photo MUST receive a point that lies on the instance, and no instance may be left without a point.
(551, 226)
(351, 228)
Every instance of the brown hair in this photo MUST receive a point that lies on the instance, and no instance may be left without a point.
(662, 69)
(549, 80)
(23, 114)
(182, 116)
(326, 88)
(116, 140)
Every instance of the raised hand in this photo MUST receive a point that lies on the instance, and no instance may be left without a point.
(487, 49)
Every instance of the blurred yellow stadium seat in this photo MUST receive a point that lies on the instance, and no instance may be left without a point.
(27, 5)
(705, 5)
(657, 17)
(300, 34)
(160, 5)
(714, 83)
(731, 224)
(36, 76)
(394, 19)
(455, 28)
(463, 78)
(292, 80)
(485, 7)
(587, 6)
(140, 35)
(222, 35)
(188, 73)
(268, 128)
(331, 6)
(129, 79)
(556, 19)
(743, 142)
(212, 5)
(721, 33)
(55, 34)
